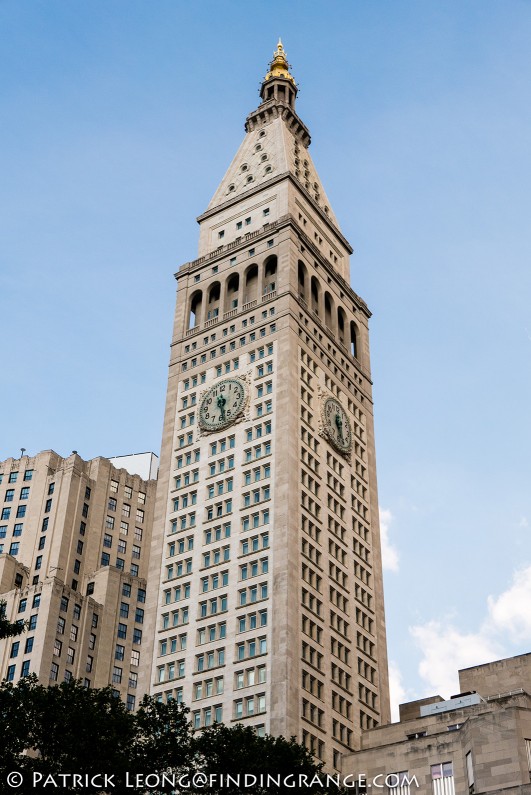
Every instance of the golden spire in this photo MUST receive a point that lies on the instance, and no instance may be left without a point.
(279, 66)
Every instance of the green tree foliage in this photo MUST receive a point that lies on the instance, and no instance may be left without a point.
(63, 729)
(68, 729)
(7, 629)
(222, 751)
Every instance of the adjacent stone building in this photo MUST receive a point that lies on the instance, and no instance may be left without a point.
(266, 541)
(476, 742)
(74, 544)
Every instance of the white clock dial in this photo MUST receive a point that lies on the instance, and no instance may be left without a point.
(222, 404)
(337, 425)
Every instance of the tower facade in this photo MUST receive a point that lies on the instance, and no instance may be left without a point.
(266, 538)
(74, 543)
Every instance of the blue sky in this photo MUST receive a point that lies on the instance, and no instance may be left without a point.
(118, 120)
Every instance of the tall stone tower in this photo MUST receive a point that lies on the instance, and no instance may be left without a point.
(266, 541)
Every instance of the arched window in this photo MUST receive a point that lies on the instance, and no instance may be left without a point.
(214, 294)
(341, 321)
(315, 295)
(251, 284)
(329, 312)
(233, 287)
(354, 340)
(302, 278)
(270, 275)
(196, 305)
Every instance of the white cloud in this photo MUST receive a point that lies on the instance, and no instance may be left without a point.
(523, 522)
(445, 648)
(510, 612)
(397, 690)
(389, 552)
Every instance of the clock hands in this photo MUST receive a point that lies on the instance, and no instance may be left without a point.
(221, 406)
(339, 425)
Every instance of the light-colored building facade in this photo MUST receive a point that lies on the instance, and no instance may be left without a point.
(476, 742)
(266, 538)
(74, 545)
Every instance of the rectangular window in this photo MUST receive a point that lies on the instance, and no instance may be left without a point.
(28, 474)
(442, 779)
(398, 783)
(470, 772)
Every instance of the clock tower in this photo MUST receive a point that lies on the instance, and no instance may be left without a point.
(266, 549)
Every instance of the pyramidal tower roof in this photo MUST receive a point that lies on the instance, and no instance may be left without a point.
(276, 143)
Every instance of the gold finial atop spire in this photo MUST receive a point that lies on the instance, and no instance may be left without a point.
(279, 66)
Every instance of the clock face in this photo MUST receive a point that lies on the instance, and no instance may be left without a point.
(337, 425)
(221, 404)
